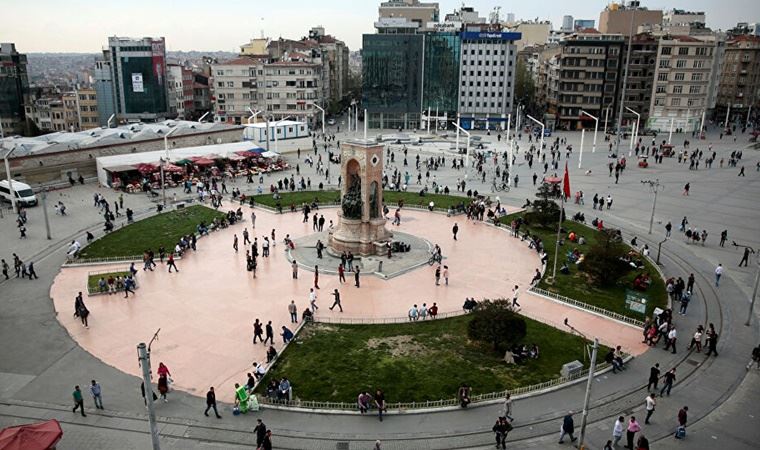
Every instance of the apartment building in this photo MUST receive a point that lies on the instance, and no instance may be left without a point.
(425, 15)
(626, 19)
(682, 82)
(639, 87)
(589, 77)
(235, 86)
(14, 86)
(740, 78)
(87, 108)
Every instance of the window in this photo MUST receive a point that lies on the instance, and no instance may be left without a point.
(683, 50)
(661, 89)
(681, 63)
(220, 84)
(666, 50)
(659, 101)
(695, 89)
(696, 77)
(701, 51)
(230, 84)
(230, 96)
(675, 102)
(679, 76)
(664, 63)
(246, 96)
(662, 76)
(699, 64)
(677, 89)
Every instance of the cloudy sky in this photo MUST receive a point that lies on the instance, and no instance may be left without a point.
(84, 25)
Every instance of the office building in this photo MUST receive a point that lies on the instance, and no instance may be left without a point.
(626, 19)
(424, 15)
(441, 79)
(567, 23)
(487, 74)
(138, 73)
(740, 78)
(14, 86)
(104, 90)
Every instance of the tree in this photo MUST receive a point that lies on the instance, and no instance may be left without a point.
(604, 262)
(496, 323)
(525, 87)
(545, 211)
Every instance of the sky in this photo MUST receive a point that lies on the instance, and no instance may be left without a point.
(84, 25)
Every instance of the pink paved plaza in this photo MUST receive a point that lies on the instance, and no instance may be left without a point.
(206, 311)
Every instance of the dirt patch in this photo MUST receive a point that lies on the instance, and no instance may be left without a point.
(312, 329)
(403, 345)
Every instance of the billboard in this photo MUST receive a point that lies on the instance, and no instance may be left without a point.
(137, 83)
(158, 53)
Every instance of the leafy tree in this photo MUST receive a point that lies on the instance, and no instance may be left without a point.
(525, 87)
(496, 323)
(604, 261)
(544, 212)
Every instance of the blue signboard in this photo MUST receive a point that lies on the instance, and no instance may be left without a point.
(475, 35)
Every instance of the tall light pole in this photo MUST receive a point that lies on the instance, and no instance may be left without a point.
(580, 155)
(509, 170)
(541, 148)
(143, 358)
(757, 281)
(670, 134)
(625, 81)
(253, 115)
(655, 186)
(108, 124)
(276, 146)
(596, 128)
(467, 154)
(204, 116)
(323, 117)
(45, 212)
(635, 132)
(587, 397)
(166, 151)
(606, 118)
(10, 178)
(728, 112)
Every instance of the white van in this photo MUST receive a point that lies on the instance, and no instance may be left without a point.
(24, 194)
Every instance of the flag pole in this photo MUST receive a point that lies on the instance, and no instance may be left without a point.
(559, 227)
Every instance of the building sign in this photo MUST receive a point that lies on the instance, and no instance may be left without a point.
(443, 27)
(474, 35)
(636, 301)
(137, 83)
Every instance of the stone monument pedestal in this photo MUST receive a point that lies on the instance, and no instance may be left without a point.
(361, 225)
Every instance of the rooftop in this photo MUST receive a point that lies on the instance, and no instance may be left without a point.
(61, 141)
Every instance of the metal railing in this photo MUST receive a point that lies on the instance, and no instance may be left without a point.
(384, 320)
(587, 307)
(96, 289)
(490, 397)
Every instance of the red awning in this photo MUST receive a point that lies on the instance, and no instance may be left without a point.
(204, 162)
(146, 168)
(552, 179)
(36, 436)
(169, 167)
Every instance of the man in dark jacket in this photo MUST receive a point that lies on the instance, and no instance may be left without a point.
(568, 427)
(502, 428)
(261, 431)
(211, 402)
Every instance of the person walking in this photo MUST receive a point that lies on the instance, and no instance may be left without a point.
(313, 300)
(718, 274)
(97, 394)
(235, 243)
(630, 432)
(745, 257)
(438, 275)
(266, 444)
(260, 430)
(170, 263)
(654, 377)
(78, 401)
(755, 358)
(508, 407)
(686, 189)
(668, 228)
(163, 386)
(258, 331)
(683, 417)
(30, 270)
(515, 296)
(246, 237)
(316, 277)
(293, 310)
(269, 333)
(336, 294)
(211, 402)
(81, 311)
(568, 428)
(501, 428)
(341, 274)
(617, 430)
(455, 230)
(446, 275)
(294, 266)
(651, 402)
(669, 378)
(380, 403)
(356, 276)
(712, 341)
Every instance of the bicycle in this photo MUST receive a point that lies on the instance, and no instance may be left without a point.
(498, 187)
(435, 258)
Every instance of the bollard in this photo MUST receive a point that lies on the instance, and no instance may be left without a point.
(380, 267)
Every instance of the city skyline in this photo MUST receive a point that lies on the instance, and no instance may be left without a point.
(86, 30)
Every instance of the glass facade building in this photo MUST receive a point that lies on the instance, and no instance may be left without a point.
(138, 73)
(441, 73)
(392, 79)
(14, 85)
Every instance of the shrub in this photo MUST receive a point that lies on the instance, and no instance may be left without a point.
(496, 323)
(545, 211)
(604, 261)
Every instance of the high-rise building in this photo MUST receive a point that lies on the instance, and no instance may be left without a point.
(425, 15)
(104, 91)
(639, 87)
(567, 23)
(626, 19)
(740, 77)
(589, 77)
(487, 75)
(14, 86)
(138, 71)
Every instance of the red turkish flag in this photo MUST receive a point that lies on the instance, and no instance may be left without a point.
(566, 183)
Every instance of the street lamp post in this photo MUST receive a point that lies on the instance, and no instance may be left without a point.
(587, 397)
(596, 128)
(10, 178)
(541, 148)
(253, 115)
(323, 117)
(166, 151)
(580, 155)
(143, 359)
(606, 118)
(509, 124)
(757, 282)
(203, 116)
(635, 132)
(467, 154)
(670, 134)
(655, 186)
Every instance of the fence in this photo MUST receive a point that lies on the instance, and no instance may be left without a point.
(96, 290)
(384, 320)
(401, 407)
(587, 307)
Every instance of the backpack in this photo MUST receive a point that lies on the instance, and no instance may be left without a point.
(680, 432)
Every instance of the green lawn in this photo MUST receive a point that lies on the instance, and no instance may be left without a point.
(151, 233)
(414, 362)
(92, 280)
(576, 286)
(329, 197)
